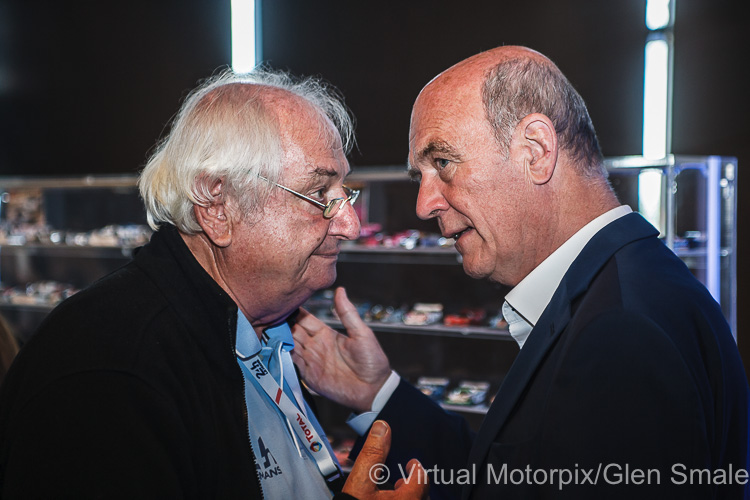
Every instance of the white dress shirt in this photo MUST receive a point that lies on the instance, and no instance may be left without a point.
(525, 304)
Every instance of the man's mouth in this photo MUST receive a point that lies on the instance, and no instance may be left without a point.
(328, 251)
(331, 255)
(457, 235)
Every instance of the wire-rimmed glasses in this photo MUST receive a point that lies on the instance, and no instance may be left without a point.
(331, 208)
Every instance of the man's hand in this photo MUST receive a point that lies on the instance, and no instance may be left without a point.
(368, 471)
(349, 369)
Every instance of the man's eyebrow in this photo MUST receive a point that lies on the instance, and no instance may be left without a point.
(322, 174)
(318, 172)
(439, 147)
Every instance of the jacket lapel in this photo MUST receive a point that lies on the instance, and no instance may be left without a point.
(541, 338)
(551, 324)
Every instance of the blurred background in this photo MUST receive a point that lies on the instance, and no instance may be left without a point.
(88, 87)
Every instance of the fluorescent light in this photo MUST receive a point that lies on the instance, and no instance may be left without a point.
(243, 35)
(655, 93)
(713, 228)
(657, 14)
(649, 196)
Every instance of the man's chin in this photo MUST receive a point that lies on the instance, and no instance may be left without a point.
(476, 267)
(326, 279)
(474, 272)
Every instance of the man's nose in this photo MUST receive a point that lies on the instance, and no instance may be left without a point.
(430, 199)
(346, 223)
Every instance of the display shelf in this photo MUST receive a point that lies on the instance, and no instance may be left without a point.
(419, 255)
(72, 182)
(699, 252)
(477, 332)
(36, 308)
(381, 173)
(476, 409)
(64, 251)
(401, 250)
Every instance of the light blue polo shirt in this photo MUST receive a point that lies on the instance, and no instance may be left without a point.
(282, 471)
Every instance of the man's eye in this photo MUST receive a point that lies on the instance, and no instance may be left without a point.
(320, 194)
(441, 163)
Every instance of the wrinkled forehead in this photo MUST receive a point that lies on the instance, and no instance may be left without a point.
(445, 110)
(310, 142)
(304, 125)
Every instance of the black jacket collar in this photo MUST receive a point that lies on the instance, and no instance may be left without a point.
(204, 308)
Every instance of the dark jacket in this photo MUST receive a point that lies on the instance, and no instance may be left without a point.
(130, 389)
(631, 369)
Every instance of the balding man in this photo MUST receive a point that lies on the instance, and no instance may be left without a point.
(628, 383)
(172, 378)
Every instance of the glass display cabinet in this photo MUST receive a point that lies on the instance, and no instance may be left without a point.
(692, 200)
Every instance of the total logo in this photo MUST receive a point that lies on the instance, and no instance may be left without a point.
(315, 446)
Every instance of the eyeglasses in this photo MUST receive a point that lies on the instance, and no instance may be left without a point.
(331, 208)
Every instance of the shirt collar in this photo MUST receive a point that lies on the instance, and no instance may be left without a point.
(532, 295)
(279, 333)
(247, 340)
(248, 343)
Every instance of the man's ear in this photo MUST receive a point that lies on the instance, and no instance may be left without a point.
(212, 215)
(538, 144)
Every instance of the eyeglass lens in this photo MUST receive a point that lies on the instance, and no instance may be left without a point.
(333, 206)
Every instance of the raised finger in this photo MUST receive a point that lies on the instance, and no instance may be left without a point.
(308, 323)
(347, 312)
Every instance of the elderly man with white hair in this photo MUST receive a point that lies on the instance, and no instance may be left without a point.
(171, 377)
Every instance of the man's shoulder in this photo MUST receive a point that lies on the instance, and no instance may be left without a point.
(120, 328)
(108, 325)
(647, 295)
(125, 298)
(645, 277)
(650, 275)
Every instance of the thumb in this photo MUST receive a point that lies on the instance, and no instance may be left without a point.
(369, 467)
(417, 485)
(347, 313)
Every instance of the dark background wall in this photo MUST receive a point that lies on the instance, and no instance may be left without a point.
(88, 86)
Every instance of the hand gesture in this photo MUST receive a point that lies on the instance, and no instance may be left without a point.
(349, 369)
(369, 468)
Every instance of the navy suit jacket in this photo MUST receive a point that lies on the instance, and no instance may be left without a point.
(629, 386)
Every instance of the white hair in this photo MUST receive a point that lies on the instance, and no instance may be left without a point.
(227, 129)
